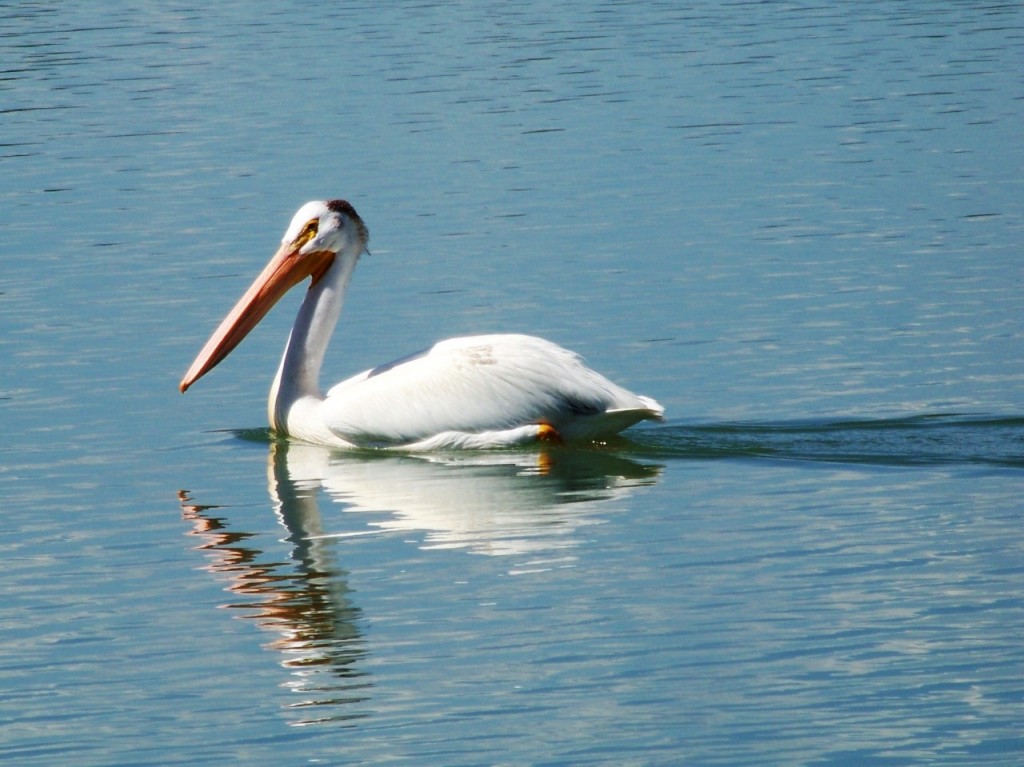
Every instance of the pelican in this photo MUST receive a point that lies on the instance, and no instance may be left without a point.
(473, 392)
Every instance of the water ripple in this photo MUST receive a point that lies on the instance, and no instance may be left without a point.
(919, 440)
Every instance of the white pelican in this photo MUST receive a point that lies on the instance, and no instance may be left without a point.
(482, 391)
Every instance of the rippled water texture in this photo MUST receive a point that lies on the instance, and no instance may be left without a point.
(798, 227)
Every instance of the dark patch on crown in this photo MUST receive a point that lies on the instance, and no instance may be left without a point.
(345, 207)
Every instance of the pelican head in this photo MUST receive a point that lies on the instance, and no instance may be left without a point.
(318, 232)
(325, 227)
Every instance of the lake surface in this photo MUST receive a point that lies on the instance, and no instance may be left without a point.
(799, 227)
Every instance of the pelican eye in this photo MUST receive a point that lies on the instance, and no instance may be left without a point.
(308, 232)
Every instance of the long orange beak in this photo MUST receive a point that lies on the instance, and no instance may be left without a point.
(286, 269)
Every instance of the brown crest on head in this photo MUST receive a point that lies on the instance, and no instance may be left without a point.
(345, 207)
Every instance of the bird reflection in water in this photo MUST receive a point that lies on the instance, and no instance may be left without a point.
(527, 506)
(521, 505)
(305, 601)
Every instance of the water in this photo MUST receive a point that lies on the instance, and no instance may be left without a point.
(798, 227)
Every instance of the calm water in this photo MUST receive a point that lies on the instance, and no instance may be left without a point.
(800, 228)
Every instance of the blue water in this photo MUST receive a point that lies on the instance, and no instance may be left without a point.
(798, 227)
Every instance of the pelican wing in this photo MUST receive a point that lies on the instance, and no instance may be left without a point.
(481, 384)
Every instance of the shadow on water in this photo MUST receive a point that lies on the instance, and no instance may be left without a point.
(922, 440)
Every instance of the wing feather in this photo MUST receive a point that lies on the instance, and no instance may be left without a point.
(474, 384)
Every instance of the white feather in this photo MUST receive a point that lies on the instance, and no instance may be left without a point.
(473, 384)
